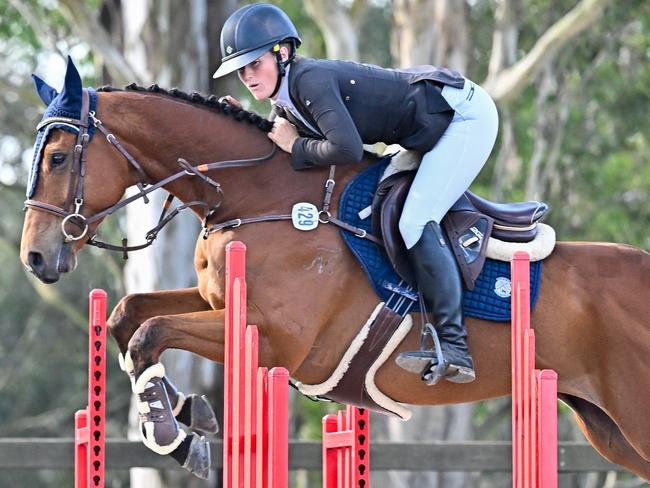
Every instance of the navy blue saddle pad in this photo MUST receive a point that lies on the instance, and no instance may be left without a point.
(489, 300)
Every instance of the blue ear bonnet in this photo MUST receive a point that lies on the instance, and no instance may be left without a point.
(64, 104)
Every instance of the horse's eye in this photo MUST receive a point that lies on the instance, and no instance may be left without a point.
(57, 159)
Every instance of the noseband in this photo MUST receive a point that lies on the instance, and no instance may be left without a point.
(72, 211)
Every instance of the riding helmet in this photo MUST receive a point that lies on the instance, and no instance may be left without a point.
(251, 31)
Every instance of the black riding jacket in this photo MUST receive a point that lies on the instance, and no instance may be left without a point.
(353, 104)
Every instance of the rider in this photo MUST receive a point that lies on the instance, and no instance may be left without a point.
(341, 105)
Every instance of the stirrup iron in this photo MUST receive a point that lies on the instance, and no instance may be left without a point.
(418, 362)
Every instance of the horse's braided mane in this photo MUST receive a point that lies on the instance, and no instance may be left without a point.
(211, 102)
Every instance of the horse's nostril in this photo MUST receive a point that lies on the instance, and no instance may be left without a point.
(35, 261)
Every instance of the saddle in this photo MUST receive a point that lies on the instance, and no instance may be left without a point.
(468, 225)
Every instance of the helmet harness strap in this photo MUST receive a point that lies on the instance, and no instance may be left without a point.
(282, 65)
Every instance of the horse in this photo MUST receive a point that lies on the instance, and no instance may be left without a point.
(306, 291)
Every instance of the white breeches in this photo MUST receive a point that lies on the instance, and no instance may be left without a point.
(450, 167)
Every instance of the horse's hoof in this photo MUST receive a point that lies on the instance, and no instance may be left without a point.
(415, 361)
(203, 417)
(460, 374)
(197, 461)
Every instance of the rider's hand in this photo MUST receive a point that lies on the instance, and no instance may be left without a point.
(230, 101)
(284, 134)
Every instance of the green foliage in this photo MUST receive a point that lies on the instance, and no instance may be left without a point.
(599, 186)
(312, 40)
(25, 32)
(312, 412)
(10, 28)
(374, 33)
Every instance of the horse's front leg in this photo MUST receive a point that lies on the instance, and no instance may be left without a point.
(198, 332)
(134, 309)
(131, 312)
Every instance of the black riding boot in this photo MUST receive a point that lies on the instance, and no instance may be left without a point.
(438, 279)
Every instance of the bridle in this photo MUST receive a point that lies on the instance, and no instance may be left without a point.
(72, 210)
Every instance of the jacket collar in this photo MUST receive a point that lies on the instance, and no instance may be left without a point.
(286, 103)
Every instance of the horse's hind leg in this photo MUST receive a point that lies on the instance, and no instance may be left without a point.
(606, 437)
(132, 311)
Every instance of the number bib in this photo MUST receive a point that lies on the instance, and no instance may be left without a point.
(304, 216)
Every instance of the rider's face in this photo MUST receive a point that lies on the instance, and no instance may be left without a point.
(261, 75)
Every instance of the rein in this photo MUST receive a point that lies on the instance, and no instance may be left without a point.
(76, 190)
(78, 172)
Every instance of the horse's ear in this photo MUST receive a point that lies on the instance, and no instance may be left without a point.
(45, 91)
(71, 94)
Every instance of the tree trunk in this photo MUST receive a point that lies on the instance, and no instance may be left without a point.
(507, 83)
(430, 32)
(507, 77)
(338, 28)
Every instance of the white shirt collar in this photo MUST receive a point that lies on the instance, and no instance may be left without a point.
(284, 100)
